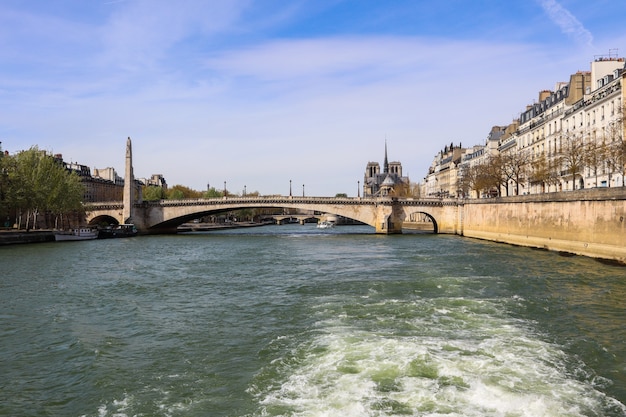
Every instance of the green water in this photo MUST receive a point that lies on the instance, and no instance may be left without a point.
(296, 321)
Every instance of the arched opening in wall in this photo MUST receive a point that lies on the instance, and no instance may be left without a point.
(103, 221)
(420, 222)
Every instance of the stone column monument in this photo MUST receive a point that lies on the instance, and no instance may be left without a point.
(129, 185)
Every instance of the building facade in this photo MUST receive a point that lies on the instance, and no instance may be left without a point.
(105, 184)
(571, 138)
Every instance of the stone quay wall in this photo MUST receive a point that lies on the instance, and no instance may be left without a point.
(585, 222)
(10, 237)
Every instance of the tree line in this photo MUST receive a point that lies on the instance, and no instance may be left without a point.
(36, 188)
(179, 192)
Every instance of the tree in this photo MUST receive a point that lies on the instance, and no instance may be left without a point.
(477, 178)
(178, 192)
(401, 189)
(65, 195)
(38, 183)
(154, 193)
(595, 157)
(514, 168)
(415, 190)
(544, 170)
(616, 157)
(213, 193)
(467, 179)
(492, 174)
(615, 147)
(573, 156)
(4, 185)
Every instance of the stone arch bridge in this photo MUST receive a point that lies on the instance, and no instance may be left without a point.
(386, 215)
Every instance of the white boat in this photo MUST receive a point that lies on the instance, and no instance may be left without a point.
(325, 225)
(82, 233)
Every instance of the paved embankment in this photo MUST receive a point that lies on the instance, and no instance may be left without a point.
(11, 237)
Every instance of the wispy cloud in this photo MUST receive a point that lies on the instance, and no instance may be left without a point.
(140, 34)
(567, 22)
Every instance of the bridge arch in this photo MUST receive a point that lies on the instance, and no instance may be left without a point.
(178, 215)
(104, 219)
(422, 216)
(104, 213)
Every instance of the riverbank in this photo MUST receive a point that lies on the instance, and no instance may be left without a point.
(14, 237)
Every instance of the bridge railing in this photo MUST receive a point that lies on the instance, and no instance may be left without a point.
(270, 200)
(267, 200)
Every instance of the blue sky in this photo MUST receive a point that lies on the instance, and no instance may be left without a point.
(257, 93)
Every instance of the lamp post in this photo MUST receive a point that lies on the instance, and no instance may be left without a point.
(302, 190)
(244, 190)
(224, 188)
(289, 188)
(358, 189)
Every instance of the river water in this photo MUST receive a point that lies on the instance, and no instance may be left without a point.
(296, 321)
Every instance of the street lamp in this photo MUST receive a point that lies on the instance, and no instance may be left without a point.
(358, 189)
(224, 188)
(289, 188)
(302, 190)
(244, 190)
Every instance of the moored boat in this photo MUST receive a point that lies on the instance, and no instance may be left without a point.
(82, 233)
(117, 231)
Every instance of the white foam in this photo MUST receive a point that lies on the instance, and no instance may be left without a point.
(481, 364)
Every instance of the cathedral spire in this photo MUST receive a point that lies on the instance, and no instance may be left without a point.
(386, 164)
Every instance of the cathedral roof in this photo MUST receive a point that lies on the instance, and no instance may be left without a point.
(388, 181)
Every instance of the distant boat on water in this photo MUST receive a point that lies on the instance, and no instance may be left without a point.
(325, 225)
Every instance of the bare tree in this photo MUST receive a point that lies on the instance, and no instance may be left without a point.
(468, 180)
(544, 170)
(515, 168)
(594, 157)
(465, 180)
(615, 146)
(415, 190)
(572, 156)
(494, 173)
(401, 189)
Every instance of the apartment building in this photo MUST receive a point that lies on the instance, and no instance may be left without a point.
(570, 138)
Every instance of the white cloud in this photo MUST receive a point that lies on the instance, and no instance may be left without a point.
(567, 22)
(141, 33)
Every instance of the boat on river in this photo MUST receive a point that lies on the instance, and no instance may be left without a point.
(82, 233)
(118, 231)
(325, 225)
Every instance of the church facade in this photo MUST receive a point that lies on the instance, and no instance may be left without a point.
(388, 182)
